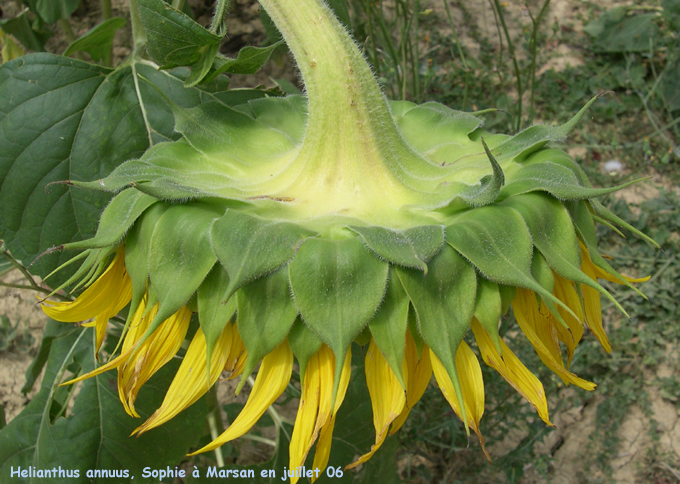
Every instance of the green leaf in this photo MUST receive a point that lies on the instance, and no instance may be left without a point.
(53, 10)
(53, 330)
(98, 40)
(173, 38)
(63, 119)
(412, 247)
(303, 343)
(20, 27)
(249, 246)
(488, 309)
(248, 61)
(388, 326)
(444, 301)
(337, 286)
(263, 326)
(496, 240)
(96, 432)
(611, 217)
(616, 32)
(213, 312)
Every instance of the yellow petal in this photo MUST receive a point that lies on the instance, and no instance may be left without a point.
(110, 293)
(238, 355)
(565, 292)
(308, 408)
(471, 385)
(602, 274)
(387, 397)
(189, 383)
(593, 306)
(323, 446)
(529, 318)
(419, 375)
(271, 381)
(512, 370)
(148, 358)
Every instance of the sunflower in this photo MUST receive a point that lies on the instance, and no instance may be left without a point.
(295, 226)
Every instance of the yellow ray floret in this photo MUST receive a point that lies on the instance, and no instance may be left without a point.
(387, 397)
(512, 370)
(471, 384)
(110, 293)
(419, 375)
(540, 331)
(271, 381)
(190, 381)
(323, 446)
(565, 292)
(314, 410)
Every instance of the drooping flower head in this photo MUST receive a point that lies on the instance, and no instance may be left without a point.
(295, 226)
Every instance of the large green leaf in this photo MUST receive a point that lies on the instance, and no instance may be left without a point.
(98, 40)
(96, 432)
(173, 38)
(338, 286)
(263, 326)
(53, 10)
(32, 35)
(444, 302)
(63, 119)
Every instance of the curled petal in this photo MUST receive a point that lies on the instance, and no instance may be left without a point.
(512, 370)
(565, 292)
(536, 326)
(419, 375)
(387, 397)
(323, 446)
(190, 381)
(110, 293)
(271, 381)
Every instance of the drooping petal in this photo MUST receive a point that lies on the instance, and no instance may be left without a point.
(592, 304)
(597, 272)
(419, 375)
(308, 409)
(387, 397)
(237, 354)
(271, 381)
(471, 384)
(529, 317)
(564, 291)
(512, 370)
(191, 382)
(110, 293)
(323, 446)
(147, 359)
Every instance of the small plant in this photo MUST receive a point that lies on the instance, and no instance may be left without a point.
(15, 336)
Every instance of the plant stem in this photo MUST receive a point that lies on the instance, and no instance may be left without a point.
(217, 26)
(138, 33)
(106, 15)
(460, 53)
(215, 422)
(534, 36)
(518, 73)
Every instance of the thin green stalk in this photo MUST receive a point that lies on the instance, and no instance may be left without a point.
(106, 15)
(415, 58)
(390, 47)
(65, 27)
(460, 53)
(215, 422)
(536, 24)
(499, 71)
(371, 34)
(138, 33)
(518, 73)
(217, 27)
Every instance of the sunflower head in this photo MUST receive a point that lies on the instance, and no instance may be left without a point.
(295, 226)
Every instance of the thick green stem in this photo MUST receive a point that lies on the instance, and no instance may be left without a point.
(138, 33)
